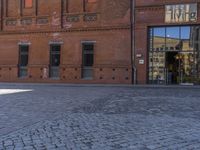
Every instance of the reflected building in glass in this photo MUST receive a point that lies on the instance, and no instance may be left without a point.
(173, 54)
(172, 33)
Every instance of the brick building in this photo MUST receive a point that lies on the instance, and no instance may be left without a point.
(167, 41)
(68, 41)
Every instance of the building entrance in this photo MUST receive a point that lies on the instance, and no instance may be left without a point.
(172, 68)
(174, 55)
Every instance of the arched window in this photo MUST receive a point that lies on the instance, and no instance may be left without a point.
(28, 3)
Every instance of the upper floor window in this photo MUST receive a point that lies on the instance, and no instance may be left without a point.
(28, 3)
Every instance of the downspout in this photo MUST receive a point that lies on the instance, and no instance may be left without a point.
(61, 16)
(2, 13)
(132, 18)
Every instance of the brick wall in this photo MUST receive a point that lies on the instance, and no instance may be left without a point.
(151, 13)
(105, 21)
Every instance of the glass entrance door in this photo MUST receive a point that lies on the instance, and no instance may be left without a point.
(172, 67)
(174, 55)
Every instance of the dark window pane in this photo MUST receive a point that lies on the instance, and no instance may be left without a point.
(88, 56)
(88, 47)
(24, 49)
(55, 55)
(88, 60)
(24, 60)
(56, 48)
(55, 60)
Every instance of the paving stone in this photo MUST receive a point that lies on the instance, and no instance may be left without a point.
(46, 117)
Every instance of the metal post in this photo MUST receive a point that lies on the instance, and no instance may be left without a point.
(135, 75)
(132, 19)
(181, 76)
(179, 70)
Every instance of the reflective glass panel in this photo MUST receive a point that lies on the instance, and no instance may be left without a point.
(173, 38)
(158, 39)
(186, 39)
(174, 55)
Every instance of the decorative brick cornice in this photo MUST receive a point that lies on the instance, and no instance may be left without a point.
(106, 28)
(151, 8)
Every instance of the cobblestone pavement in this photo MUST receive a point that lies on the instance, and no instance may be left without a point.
(48, 117)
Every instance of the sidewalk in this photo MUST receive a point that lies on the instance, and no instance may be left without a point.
(99, 85)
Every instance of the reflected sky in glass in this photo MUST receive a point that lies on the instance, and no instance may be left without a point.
(185, 32)
(173, 32)
(159, 32)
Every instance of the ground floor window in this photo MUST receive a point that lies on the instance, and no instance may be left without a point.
(54, 61)
(88, 60)
(174, 54)
(23, 60)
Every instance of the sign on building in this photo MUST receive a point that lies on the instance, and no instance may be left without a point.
(181, 13)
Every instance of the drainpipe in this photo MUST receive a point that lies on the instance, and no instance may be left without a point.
(132, 18)
(2, 12)
(62, 11)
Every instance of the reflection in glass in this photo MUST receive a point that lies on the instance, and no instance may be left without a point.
(158, 64)
(158, 39)
(174, 56)
(173, 32)
(185, 33)
(185, 39)
(173, 38)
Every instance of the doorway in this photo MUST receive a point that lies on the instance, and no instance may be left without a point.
(172, 68)
(174, 55)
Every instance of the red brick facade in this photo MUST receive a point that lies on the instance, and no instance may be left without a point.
(150, 13)
(69, 22)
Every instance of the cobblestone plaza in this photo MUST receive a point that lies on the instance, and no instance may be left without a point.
(68, 117)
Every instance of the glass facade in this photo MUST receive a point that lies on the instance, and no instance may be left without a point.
(174, 54)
